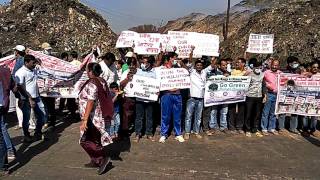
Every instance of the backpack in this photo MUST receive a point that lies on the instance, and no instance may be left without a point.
(104, 97)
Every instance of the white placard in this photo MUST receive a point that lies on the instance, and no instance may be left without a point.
(174, 78)
(260, 43)
(166, 44)
(183, 41)
(144, 88)
(127, 39)
(206, 44)
(148, 44)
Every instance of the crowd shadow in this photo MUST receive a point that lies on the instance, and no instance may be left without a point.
(313, 140)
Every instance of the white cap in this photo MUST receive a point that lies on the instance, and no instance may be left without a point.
(129, 54)
(19, 48)
(46, 46)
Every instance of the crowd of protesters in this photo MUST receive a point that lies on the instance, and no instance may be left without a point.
(108, 113)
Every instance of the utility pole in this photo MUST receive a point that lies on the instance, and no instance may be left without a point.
(226, 24)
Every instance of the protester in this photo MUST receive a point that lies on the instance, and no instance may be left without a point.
(195, 102)
(64, 56)
(3, 150)
(119, 64)
(237, 110)
(129, 101)
(210, 121)
(268, 120)
(254, 99)
(313, 120)
(74, 59)
(96, 109)
(293, 68)
(109, 73)
(171, 105)
(144, 108)
(19, 52)
(26, 78)
(46, 48)
(116, 98)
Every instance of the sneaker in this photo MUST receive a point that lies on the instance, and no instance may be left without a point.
(136, 139)
(273, 132)
(258, 134)
(187, 136)
(4, 173)
(209, 133)
(315, 133)
(103, 166)
(240, 132)
(233, 132)
(162, 139)
(294, 131)
(179, 138)
(248, 134)
(265, 133)
(11, 155)
(198, 135)
(150, 137)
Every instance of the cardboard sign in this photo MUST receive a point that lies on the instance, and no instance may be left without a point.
(261, 43)
(166, 44)
(301, 99)
(144, 88)
(126, 39)
(148, 44)
(226, 90)
(206, 44)
(174, 78)
(184, 42)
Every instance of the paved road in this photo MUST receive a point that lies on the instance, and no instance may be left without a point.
(218, 157)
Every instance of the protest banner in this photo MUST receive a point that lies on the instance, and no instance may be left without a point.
(174, 78)
(144, 88)
(260, 43)
(184, 42)
(298, 95)
(166, 44)
(147, 43)
(206, 44)
(127, 39)
(226, 90)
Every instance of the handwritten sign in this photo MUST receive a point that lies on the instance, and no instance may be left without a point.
(226, 90)
(166, 44)
(174, 78)
(126, 39)
(206, 44)
(148, 43)
(183, 41)
(144, 88)
(261, 43)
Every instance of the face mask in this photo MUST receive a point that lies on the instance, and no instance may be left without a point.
(144, 67)
(229, 68)
(257, 71)
(175, 62)
(295, 65)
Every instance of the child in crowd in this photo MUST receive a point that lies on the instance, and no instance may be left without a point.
(116, 96)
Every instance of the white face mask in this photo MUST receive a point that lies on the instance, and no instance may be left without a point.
(144, 67)
(295, 65)
(229, 68)
(257, 71)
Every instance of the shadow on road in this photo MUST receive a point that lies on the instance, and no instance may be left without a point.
(313, 140)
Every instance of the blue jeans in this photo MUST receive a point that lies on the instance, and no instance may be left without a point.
(144, 110)
(268, 120)
(3, 149)
(171, 104)
(194, 106)
(293, 122)
(213, 124)
(313, 123)
(6, 136)
(114, 128)
(39, 111)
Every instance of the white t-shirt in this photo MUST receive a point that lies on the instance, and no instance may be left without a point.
(126, 88)
(28, 78)
(109, 74)
(198, 82)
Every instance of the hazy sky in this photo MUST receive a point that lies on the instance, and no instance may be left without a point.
(123, 14)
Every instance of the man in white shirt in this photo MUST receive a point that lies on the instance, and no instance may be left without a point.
(109, 73)
(195, 102)
(26, 78)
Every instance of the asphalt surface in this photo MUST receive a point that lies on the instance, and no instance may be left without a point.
(217, 157)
